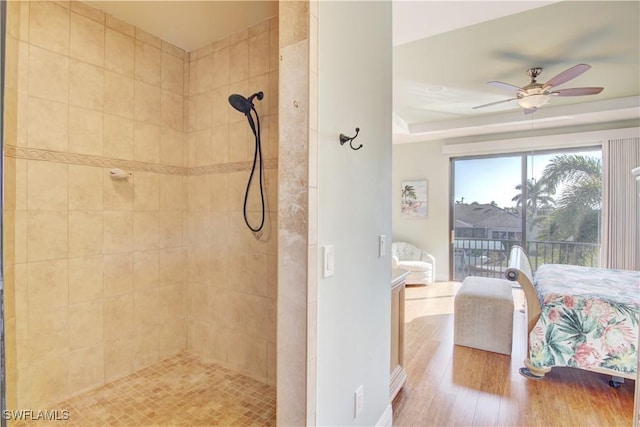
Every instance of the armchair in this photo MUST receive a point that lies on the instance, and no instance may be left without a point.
(422, 265)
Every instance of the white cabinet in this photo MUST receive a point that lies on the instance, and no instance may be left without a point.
(398, 373)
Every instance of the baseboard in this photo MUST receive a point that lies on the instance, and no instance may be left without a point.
(386, 420)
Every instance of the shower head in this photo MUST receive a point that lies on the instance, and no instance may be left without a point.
(243, 104)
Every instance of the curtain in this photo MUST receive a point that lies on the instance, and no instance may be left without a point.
(620, 242)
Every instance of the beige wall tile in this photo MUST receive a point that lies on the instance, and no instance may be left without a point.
(202, 147)
(199, 187)
(239, 36)
(145, 270)
(220, 144)
(87, 40)
(172, 337)
(170, 229)
(48, 286)
(49, 26)
(48, 334)
(85, 131)
(15, 238)
(118, 95)
(118, 194)
(147, 103)
(85, 279)
(241, 144)
(219, 264)
(260, 83)
(146, 142)
(118, 357)
(145, 230)
(203, 110)
(259, 28)
(204, 71)
(221, 67)
(118, 274)
(49, 381)
(146, 191)
(47, 185)
(88, 11)
(121, 26)
(172, 73)
(147, 347)
(220, 108)
(171, 110)
(86, 369)
(48, 75)
(48, 124)
(118, 232)
(172, 268)
(85, 233)
(86, 85)
(172, 144)
(118, 137)
(85, 188)
(220, 233)
(199, 268)
(85, 324)
(46, 235)
(118, 311)
(239, 61)
(274, 43)
(119, 52)
(259, 54)
(171, 192)
(148, 38)
(147, 63)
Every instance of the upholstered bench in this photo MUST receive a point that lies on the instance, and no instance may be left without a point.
(483, 314)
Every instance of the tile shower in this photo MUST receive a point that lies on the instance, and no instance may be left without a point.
(107, 278)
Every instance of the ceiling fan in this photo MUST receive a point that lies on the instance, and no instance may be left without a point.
(534, 95)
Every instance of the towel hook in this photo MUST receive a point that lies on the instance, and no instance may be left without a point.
(344, 139)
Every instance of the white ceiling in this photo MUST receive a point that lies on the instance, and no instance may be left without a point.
(446, 51)
(439, 78)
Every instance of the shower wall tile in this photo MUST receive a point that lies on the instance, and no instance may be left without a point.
(116, 24)
(239, 61)
(86, 85)
(46, 235)
(119, 51)
(120, 312)
(86, 278)
(148, 38)
(118, 95)
(88, 11)
(86, 39)
(47, 124)
(85, 325)
(171, 110)
(48, 334)
(147, 63)
(48, 74)
(86, 369)
(118, 137)
(259, 54)
(49, 26)
(172, 144)
(145, 231)
(117, 194)
(85, 188)
(47, 185)
(145, 142)
(146, 191)
(85, 131)
(118, 357)
(118, 232)
(48, 380)
(118, 274)
(221, 67)
(85, 233)
(147, 103)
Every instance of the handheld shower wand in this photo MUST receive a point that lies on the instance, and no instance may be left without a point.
(245, 106)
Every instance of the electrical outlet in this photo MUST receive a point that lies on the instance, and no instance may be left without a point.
(381, 245)
(358, 401)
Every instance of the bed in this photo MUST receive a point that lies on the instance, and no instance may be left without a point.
(579, 317)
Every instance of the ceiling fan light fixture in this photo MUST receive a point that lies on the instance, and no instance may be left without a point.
(533, 101)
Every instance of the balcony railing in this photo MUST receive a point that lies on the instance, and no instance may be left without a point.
(489, 257)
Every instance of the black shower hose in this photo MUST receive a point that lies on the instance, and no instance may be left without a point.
(257, 156)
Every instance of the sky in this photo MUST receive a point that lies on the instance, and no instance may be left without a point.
(494, 179)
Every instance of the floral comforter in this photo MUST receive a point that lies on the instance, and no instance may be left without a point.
(589, 318)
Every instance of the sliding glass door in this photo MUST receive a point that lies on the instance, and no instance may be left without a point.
(546, 202)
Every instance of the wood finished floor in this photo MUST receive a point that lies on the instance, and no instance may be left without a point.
(458, 386)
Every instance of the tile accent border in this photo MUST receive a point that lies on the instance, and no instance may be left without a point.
(128, 165)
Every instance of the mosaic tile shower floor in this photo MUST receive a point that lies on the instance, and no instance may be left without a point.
(179, 391)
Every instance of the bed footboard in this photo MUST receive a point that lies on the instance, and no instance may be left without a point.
(519, 270)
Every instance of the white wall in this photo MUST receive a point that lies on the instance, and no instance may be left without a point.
(354, 199)
(419, 161)
(430, 160)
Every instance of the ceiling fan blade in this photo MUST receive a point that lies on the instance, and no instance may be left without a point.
(494, 103)
(577, 91)
(567, 75)
(504, 86)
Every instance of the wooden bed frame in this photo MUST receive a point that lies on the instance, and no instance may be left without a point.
(519, 270)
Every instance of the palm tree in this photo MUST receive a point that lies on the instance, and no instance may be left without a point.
(538, 200)
(578, 207)
(408, 193)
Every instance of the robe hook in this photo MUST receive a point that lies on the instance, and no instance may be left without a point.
(344, 139)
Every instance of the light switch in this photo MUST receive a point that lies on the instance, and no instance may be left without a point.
(382, 241)
(329, 258)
